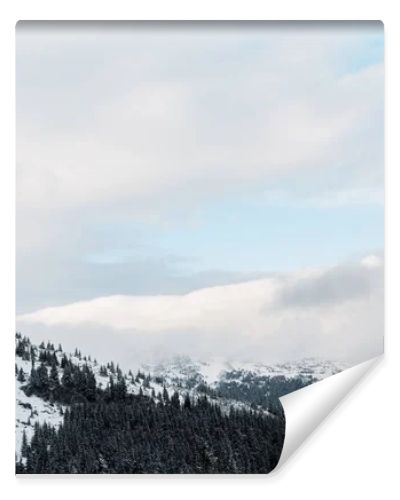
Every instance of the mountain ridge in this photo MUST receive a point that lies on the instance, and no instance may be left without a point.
(52, 386)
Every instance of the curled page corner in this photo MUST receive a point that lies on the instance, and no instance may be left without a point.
(306, 408)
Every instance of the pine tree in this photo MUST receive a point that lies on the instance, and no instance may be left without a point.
(121, 388)
(20, 349)
(175, 400)
(21, 376)
(90, 391)
(64, 361)
(24, 446)
(67, 380)
(34, 382)
(187, 403)
(43, 379)
(54, 359)
(54, 381)
(33, 356)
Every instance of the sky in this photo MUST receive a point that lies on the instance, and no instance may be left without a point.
(210, 189)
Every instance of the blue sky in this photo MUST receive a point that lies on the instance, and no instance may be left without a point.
(246, 236)
(165, 159)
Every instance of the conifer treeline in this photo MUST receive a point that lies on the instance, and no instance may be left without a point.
(136, 435)
(110, 431)
(260, 391)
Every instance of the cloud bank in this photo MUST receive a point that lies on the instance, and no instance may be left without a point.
(333, 312)
(145, 119)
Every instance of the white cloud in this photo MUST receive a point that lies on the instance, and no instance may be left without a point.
(236, 119)
(335, 312)
(372, 261)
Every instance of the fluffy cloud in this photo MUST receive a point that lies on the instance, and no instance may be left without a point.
(226, 111)
(335, 312)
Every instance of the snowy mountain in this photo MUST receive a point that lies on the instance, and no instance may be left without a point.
(254, 386)
(49, 382)
(182, 370)
(75, 415)
(31, 409)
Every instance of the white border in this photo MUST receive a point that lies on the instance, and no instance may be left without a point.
(354, 453)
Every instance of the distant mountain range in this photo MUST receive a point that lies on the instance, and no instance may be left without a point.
(183, 369)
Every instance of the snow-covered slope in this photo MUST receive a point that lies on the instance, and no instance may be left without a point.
(29, 410)
(182, 370)
(32, 409)
(181, 374)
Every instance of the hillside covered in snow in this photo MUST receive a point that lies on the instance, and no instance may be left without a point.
(178, 416)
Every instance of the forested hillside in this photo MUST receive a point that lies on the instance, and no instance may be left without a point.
(111, 422)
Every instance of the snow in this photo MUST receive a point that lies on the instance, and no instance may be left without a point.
(181, 374)
(179, 369)
(212, 371)
(31, 409)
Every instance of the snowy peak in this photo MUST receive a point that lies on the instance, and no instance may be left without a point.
(184, 370)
